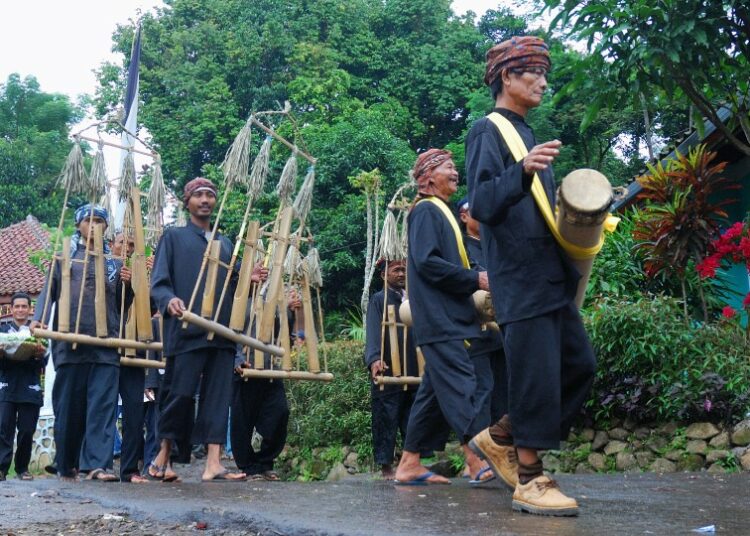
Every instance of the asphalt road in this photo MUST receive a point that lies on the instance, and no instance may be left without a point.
(610, 504)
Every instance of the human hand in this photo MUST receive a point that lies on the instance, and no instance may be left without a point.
(484, 283)
(149, 394)
(260, 273)
(125, 274)
(377, 368)
(36, 324)
(176, 307)
(541, 156)
(149, 263)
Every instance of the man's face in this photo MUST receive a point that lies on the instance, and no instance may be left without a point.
(20, 310)
(201, 204)
(396, 275)
(85, 226)
(472, 225)
(526, 87)
(445, 179)
(118, 243)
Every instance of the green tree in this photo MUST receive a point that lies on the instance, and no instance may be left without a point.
(692, 51)
(34, 128)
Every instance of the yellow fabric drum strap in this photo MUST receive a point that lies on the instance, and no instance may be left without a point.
(456, 230)
(518, 150)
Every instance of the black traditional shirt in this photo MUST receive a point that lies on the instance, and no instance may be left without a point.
(440, 288)
(62, 352)
(20, 381)
(373, 330)
(489, 340)
(529, 273)
(175, 272)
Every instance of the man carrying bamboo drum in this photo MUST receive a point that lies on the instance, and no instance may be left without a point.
(533, 282)
(191, 357)
(441, 284)
(84, 396)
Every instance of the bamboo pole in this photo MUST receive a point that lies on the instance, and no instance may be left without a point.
(100, 284)
(85, 271)
(393, 338)
(63, 305)
(293, 147)
(242, 292)
(52, 267)
(143, 363)
(77, 338)
(286, 361)
(141, 309)
(311, 338)
(227, 333)
(287, 375)
(401, 380)
(275, 282)
(209, 290)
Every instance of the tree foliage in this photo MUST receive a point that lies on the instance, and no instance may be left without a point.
(34, 128)
(693, 51)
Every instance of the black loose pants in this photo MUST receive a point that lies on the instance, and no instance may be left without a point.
(22, 417)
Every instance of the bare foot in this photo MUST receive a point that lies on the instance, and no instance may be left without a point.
(418, 474)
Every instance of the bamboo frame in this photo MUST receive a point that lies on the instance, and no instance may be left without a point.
(382, 381)
(223, 331)
(143, 363)
(287, 375)
(77, 338)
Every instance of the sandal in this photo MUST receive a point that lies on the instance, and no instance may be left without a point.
(100, 475)
(256, 477)
(172, 478)
(157, 474)
(26, 476)
(271, 476)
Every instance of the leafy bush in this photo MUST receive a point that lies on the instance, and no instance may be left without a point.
(333, 414)
(652, 367)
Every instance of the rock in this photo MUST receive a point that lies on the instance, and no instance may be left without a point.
(642, 432)
(618, 433)
(644, 458)
(673, 455)
(629, 424)
(636, 444)
(720, 441)
(351, 460)
(739, 452)
(701, 430)
(716, 468)
(571, 437)
(690, 462)
(662, 465)
(696, 446)
(345, 450)
(584, 469)
(716, 455)
(741, 434)
(625, 461)
(745, 461)
(657, 443)
(615, 422)
(598, 461)
(318, 468)
(551, 463)
(338, 472)
(600, 440)
(443, 468)
(613, 447)
(587, 434)
(668, 429)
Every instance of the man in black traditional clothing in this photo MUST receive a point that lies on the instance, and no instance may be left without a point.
(533, 282)
(441, 284)
(191, 357)
(84, 396)
(21, 395)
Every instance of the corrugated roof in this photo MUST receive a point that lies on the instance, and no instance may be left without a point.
(16, 242)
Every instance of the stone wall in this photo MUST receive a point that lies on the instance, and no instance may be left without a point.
(630, 447)
(43, 451)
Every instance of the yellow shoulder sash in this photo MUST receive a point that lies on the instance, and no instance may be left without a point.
(456, 230)
(518, 150)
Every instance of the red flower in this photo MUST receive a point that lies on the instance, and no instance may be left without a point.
(728, 312)
(708, 267)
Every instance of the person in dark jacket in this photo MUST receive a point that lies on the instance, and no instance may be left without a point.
(392, 403)
(84, 395)
(192, 358)
(21, 395)
(441, 284)
(533, 282)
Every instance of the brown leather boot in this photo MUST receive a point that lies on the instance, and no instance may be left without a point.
(542, 496)
(502, 459)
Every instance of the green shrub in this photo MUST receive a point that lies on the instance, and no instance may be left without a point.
(652, 367)
(335, 414)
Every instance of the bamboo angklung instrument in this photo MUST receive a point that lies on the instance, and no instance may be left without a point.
(63, 302)
(209, 290)
(100, 293)
(140, 284)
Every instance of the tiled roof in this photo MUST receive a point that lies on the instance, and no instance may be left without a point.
(16, 272)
